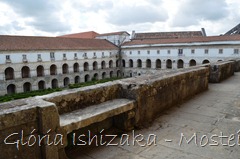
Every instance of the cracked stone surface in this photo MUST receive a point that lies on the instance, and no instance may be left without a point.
(209, 115)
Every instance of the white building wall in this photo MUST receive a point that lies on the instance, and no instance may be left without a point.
(17, 64)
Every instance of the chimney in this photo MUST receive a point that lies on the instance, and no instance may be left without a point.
(133, 34)
(203, 32)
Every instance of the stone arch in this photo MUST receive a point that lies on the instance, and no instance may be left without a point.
(117, 63)
(41, 85)
(123, 63)
(54, 83)
(103, 75)
(11, 89)
(192, 62)
(25, 72)
(118, 73)
(139, 63)
(130, 74)
(65, 69)
(110, 64)
(9, 73)
(27, 87)
(148, 63)
(205, 61)
(86, 66)
(40, 71)
(169, 64)
(95, 76)
(75, 67)
(111, 74)
(158, 63)
(77, 79)
(95, 65)
(66, 82)
(103, 64)
(87, 78)
(130, 63)
(53, 70)
(180, 63)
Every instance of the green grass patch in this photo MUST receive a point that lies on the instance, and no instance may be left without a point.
(7, 98)
(93, 82)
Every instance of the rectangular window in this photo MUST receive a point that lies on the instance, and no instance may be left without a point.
(236, 51)
(110, 53)
(39, 56)
(102, 53)
(193, 51)
(158, 51)
(148, 52)
(64, 55)
(94, 54)
(7, 57)
(139, 52)
(206, 51)
(52, 55)
(75, 54)
(85, 54)
(24, 57)
(180, 51)
(220, 51)
(130, 52)
(169, 51)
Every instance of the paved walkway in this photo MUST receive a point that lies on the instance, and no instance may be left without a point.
(214, 116)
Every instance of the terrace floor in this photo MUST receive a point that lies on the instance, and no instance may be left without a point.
(211, 119)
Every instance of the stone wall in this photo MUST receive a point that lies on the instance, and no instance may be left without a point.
(40, 116)
(157, 93)
(22, 123)
(221, 71)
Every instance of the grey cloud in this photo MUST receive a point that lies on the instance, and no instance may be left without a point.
(93, 7)
(43, 13)
(192, 12)
(136, 14)
(14, 26)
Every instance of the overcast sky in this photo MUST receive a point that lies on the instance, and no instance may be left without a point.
(58, 17)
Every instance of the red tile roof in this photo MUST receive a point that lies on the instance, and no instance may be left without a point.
(167, 35)
(27, 43)
(114, 33)
(184, 40)
(83, 35)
